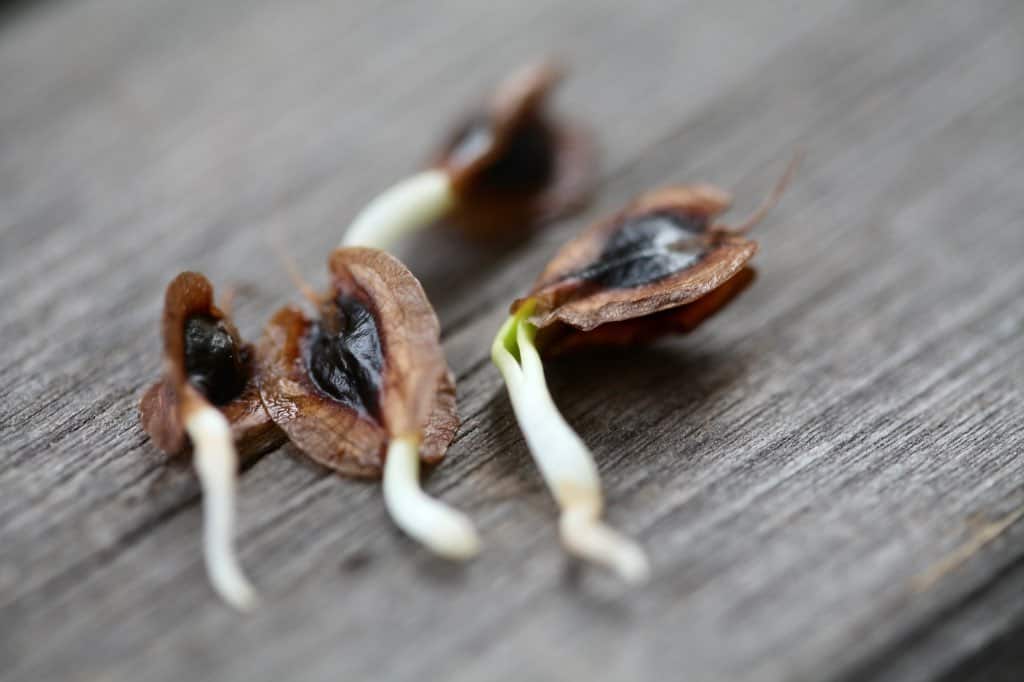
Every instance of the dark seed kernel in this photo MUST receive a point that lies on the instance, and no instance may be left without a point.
(646, 249)
(472, 142)
(527, 161)
(345, 358)
(214, 363)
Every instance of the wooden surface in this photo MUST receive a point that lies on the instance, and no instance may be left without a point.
(828, 476)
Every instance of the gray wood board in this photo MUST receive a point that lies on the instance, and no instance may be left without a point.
(827, 475)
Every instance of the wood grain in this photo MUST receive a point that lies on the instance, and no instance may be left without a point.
(823, 475)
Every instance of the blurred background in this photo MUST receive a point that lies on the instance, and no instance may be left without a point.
(850, 424)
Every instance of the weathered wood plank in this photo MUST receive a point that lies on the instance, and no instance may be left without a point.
(795, 468)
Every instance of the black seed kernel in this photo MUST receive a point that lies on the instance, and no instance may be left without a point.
(526, 162)
(345, 357)
(215, 365)
(646, 249)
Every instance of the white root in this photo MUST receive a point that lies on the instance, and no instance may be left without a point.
(440, 528)
(564, 460)
(216, 464)
(411, 204)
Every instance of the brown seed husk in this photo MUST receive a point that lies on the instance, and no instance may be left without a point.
(416, 395)
(559, 338)
(572, 311)
(164, 404)
(489, 208)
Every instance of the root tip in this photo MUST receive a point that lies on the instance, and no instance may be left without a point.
(633, 566)
(588, 538)
(236, 591)
(459, 544)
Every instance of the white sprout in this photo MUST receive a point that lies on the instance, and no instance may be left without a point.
(443, 530)
(216, 464)
(565, 462)
(407, 206)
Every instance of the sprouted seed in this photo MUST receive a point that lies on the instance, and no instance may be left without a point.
(362, 387)
(565, 462)
(207, 402)
(507, 166)
(660, 266)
